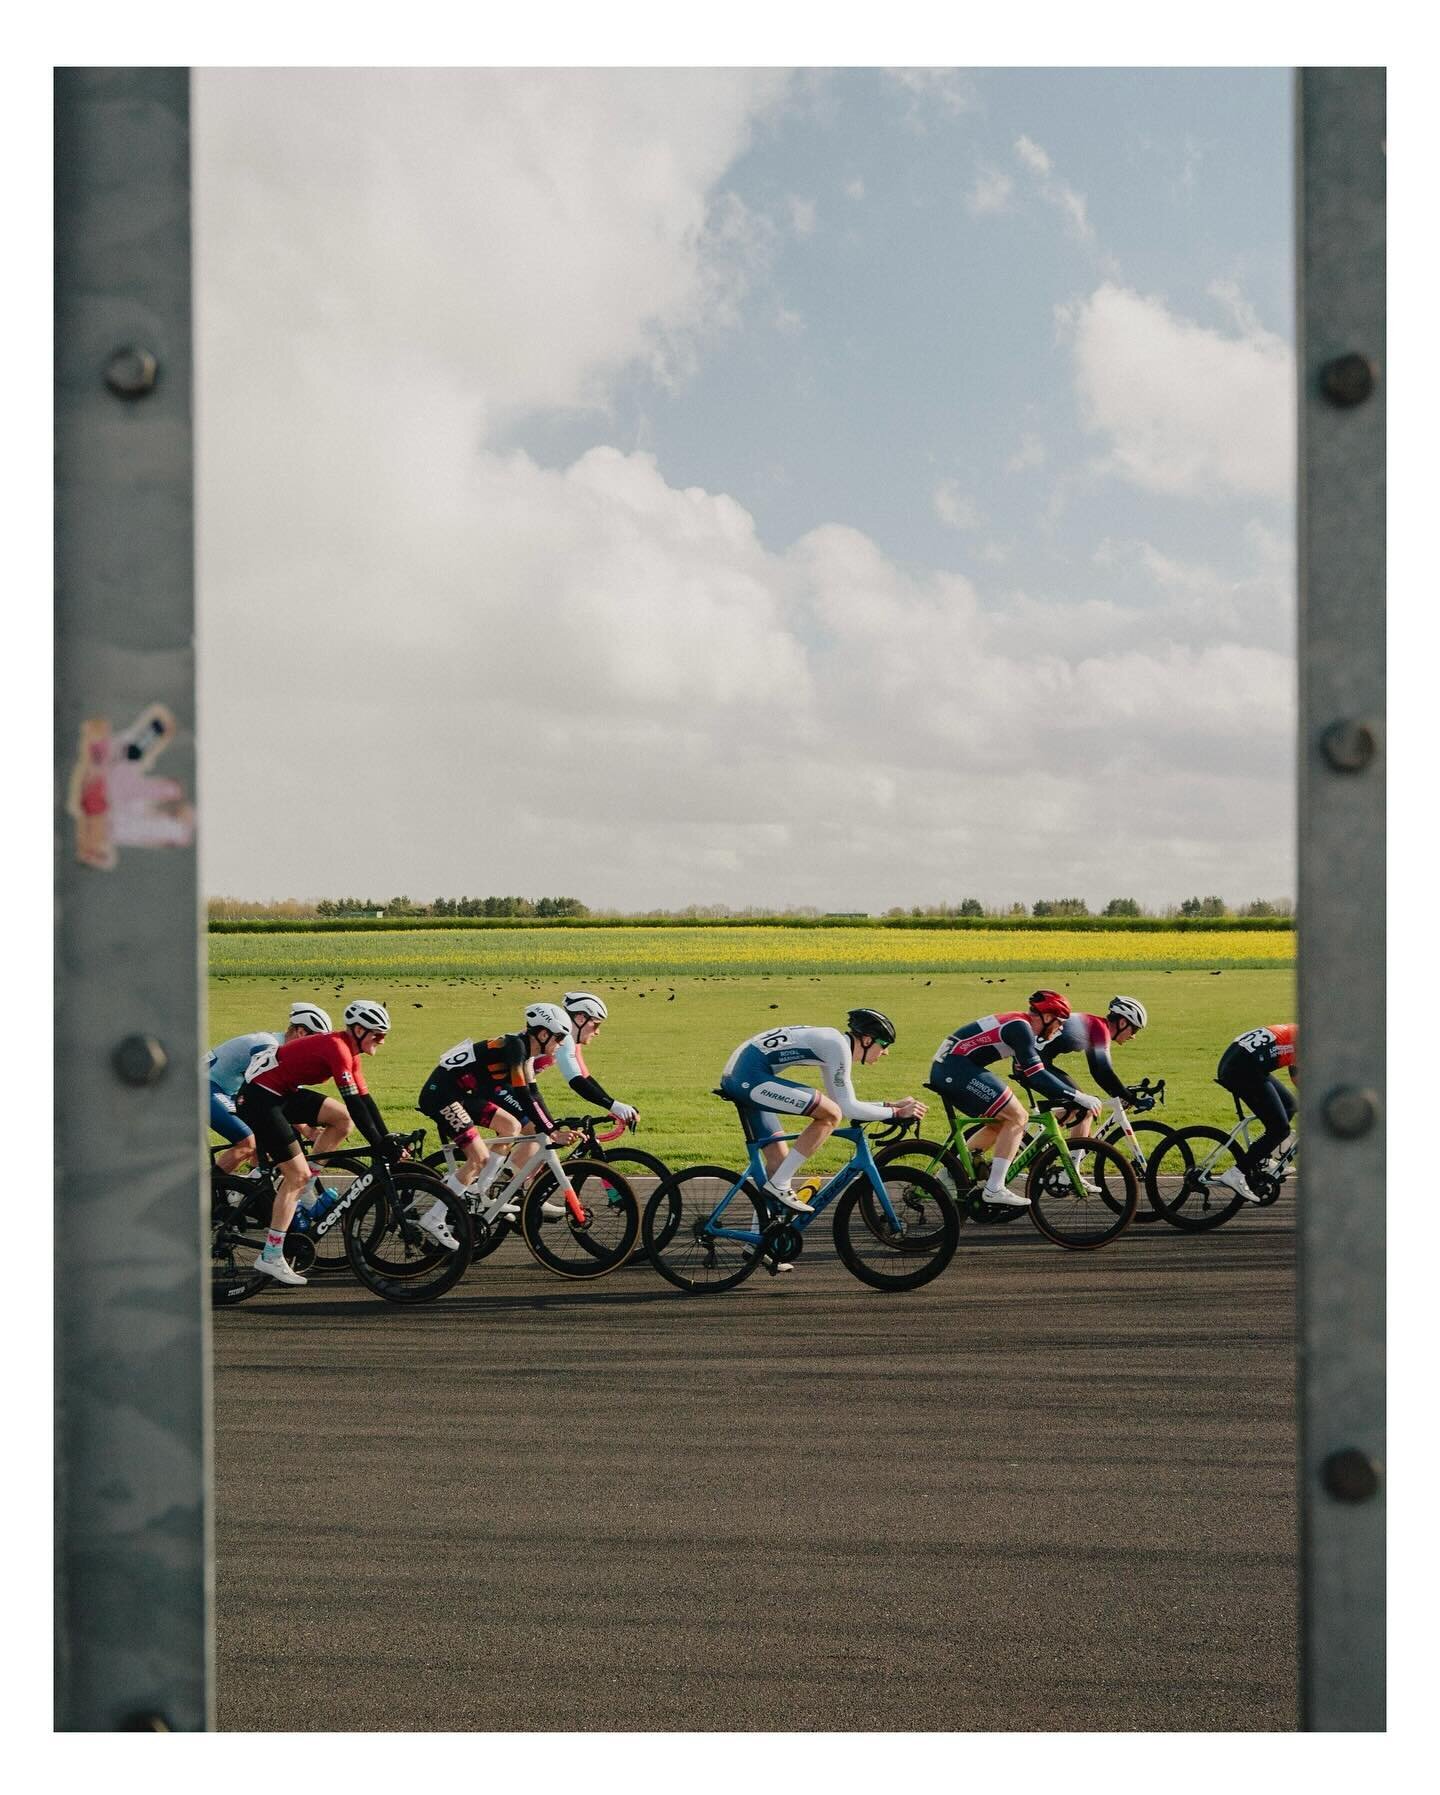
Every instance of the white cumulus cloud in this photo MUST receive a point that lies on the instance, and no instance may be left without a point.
(1184, 409)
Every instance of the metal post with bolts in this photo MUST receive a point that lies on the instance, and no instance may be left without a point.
(1341, 245)
(132, 1341)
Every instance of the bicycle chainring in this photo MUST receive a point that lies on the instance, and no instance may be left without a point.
(785, 1243)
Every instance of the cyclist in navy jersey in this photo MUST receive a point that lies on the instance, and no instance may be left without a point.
(1093, 1036)
(960, 1074)
(1247, 1070)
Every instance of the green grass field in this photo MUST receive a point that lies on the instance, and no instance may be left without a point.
(669, 1036)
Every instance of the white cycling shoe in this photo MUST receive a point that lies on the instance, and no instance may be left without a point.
(785, 1196)
(280, 1269)
(1234, 1179)
(554, 1212)
(1007, 1198)
(435, 1224)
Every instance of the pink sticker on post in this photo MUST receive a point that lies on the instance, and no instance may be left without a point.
(116, 801)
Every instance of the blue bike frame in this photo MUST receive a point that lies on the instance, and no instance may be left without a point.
(861, 1164)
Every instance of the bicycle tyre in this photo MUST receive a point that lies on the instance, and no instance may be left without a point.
(674, 1230)
(611, 1229)
(871, 1252)
(1078, 1220)
(387, 1253)
(1182, 1193)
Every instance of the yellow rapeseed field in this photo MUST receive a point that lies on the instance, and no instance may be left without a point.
(655, 953)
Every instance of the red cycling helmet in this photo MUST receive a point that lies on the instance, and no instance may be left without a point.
(1049, 1003)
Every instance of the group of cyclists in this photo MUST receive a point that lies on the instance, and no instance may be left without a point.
(264, 1103)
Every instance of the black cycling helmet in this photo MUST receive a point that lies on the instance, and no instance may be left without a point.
(874, 1023)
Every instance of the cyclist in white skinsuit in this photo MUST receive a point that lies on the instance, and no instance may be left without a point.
(751, 1080)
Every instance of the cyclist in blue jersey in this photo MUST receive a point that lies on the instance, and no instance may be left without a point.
(1094, 1036)
(226, 1065)
(960, 1074)
(751, 1081)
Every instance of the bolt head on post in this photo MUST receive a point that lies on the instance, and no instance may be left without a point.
(131, 373)
(1350, 1476)
(1349, 745)
(1348, 380)
(140, 1059)
(1350, 1112)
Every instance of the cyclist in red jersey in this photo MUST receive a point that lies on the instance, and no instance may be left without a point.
(272, 1080)
(1247, 1070)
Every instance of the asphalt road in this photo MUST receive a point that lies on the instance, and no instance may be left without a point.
(1052, 1491)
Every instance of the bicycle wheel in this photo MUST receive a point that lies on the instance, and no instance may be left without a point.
(1182, 1178)
(390, 1253)
(236, 1240)
(680, 1229)
(1095, 1212)
(1152, 1136)
(645, 1174)
(597, 1242)
(934, 1159)
(912, 1250)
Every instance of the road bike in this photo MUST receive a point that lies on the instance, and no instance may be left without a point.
(593, 1144)
(1081, 1194)
(1183, 1178)
(578, 1216)
(706, 1228)
(377, 1216)
(1139, 1141)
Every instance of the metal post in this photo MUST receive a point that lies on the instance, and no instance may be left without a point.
(132, 1436)
(1341, 223)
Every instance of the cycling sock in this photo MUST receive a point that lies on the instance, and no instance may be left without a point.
(998, 1168)
(452, 1180)
(489, 1172)
(787, 1169)
(274, 1242)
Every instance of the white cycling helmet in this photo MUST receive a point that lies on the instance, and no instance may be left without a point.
(311, 1018)
(1129, 1009)
(548, 1016)
(365, 1013)
(585, 1003)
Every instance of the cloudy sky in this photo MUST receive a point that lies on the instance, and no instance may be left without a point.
(840, 488)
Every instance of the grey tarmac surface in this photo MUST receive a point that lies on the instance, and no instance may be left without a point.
(1051, 1491)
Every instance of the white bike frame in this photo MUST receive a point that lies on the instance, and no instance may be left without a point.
(508, 1185)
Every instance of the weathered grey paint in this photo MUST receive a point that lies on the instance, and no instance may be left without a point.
(1341, 223)
(133, 1576)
